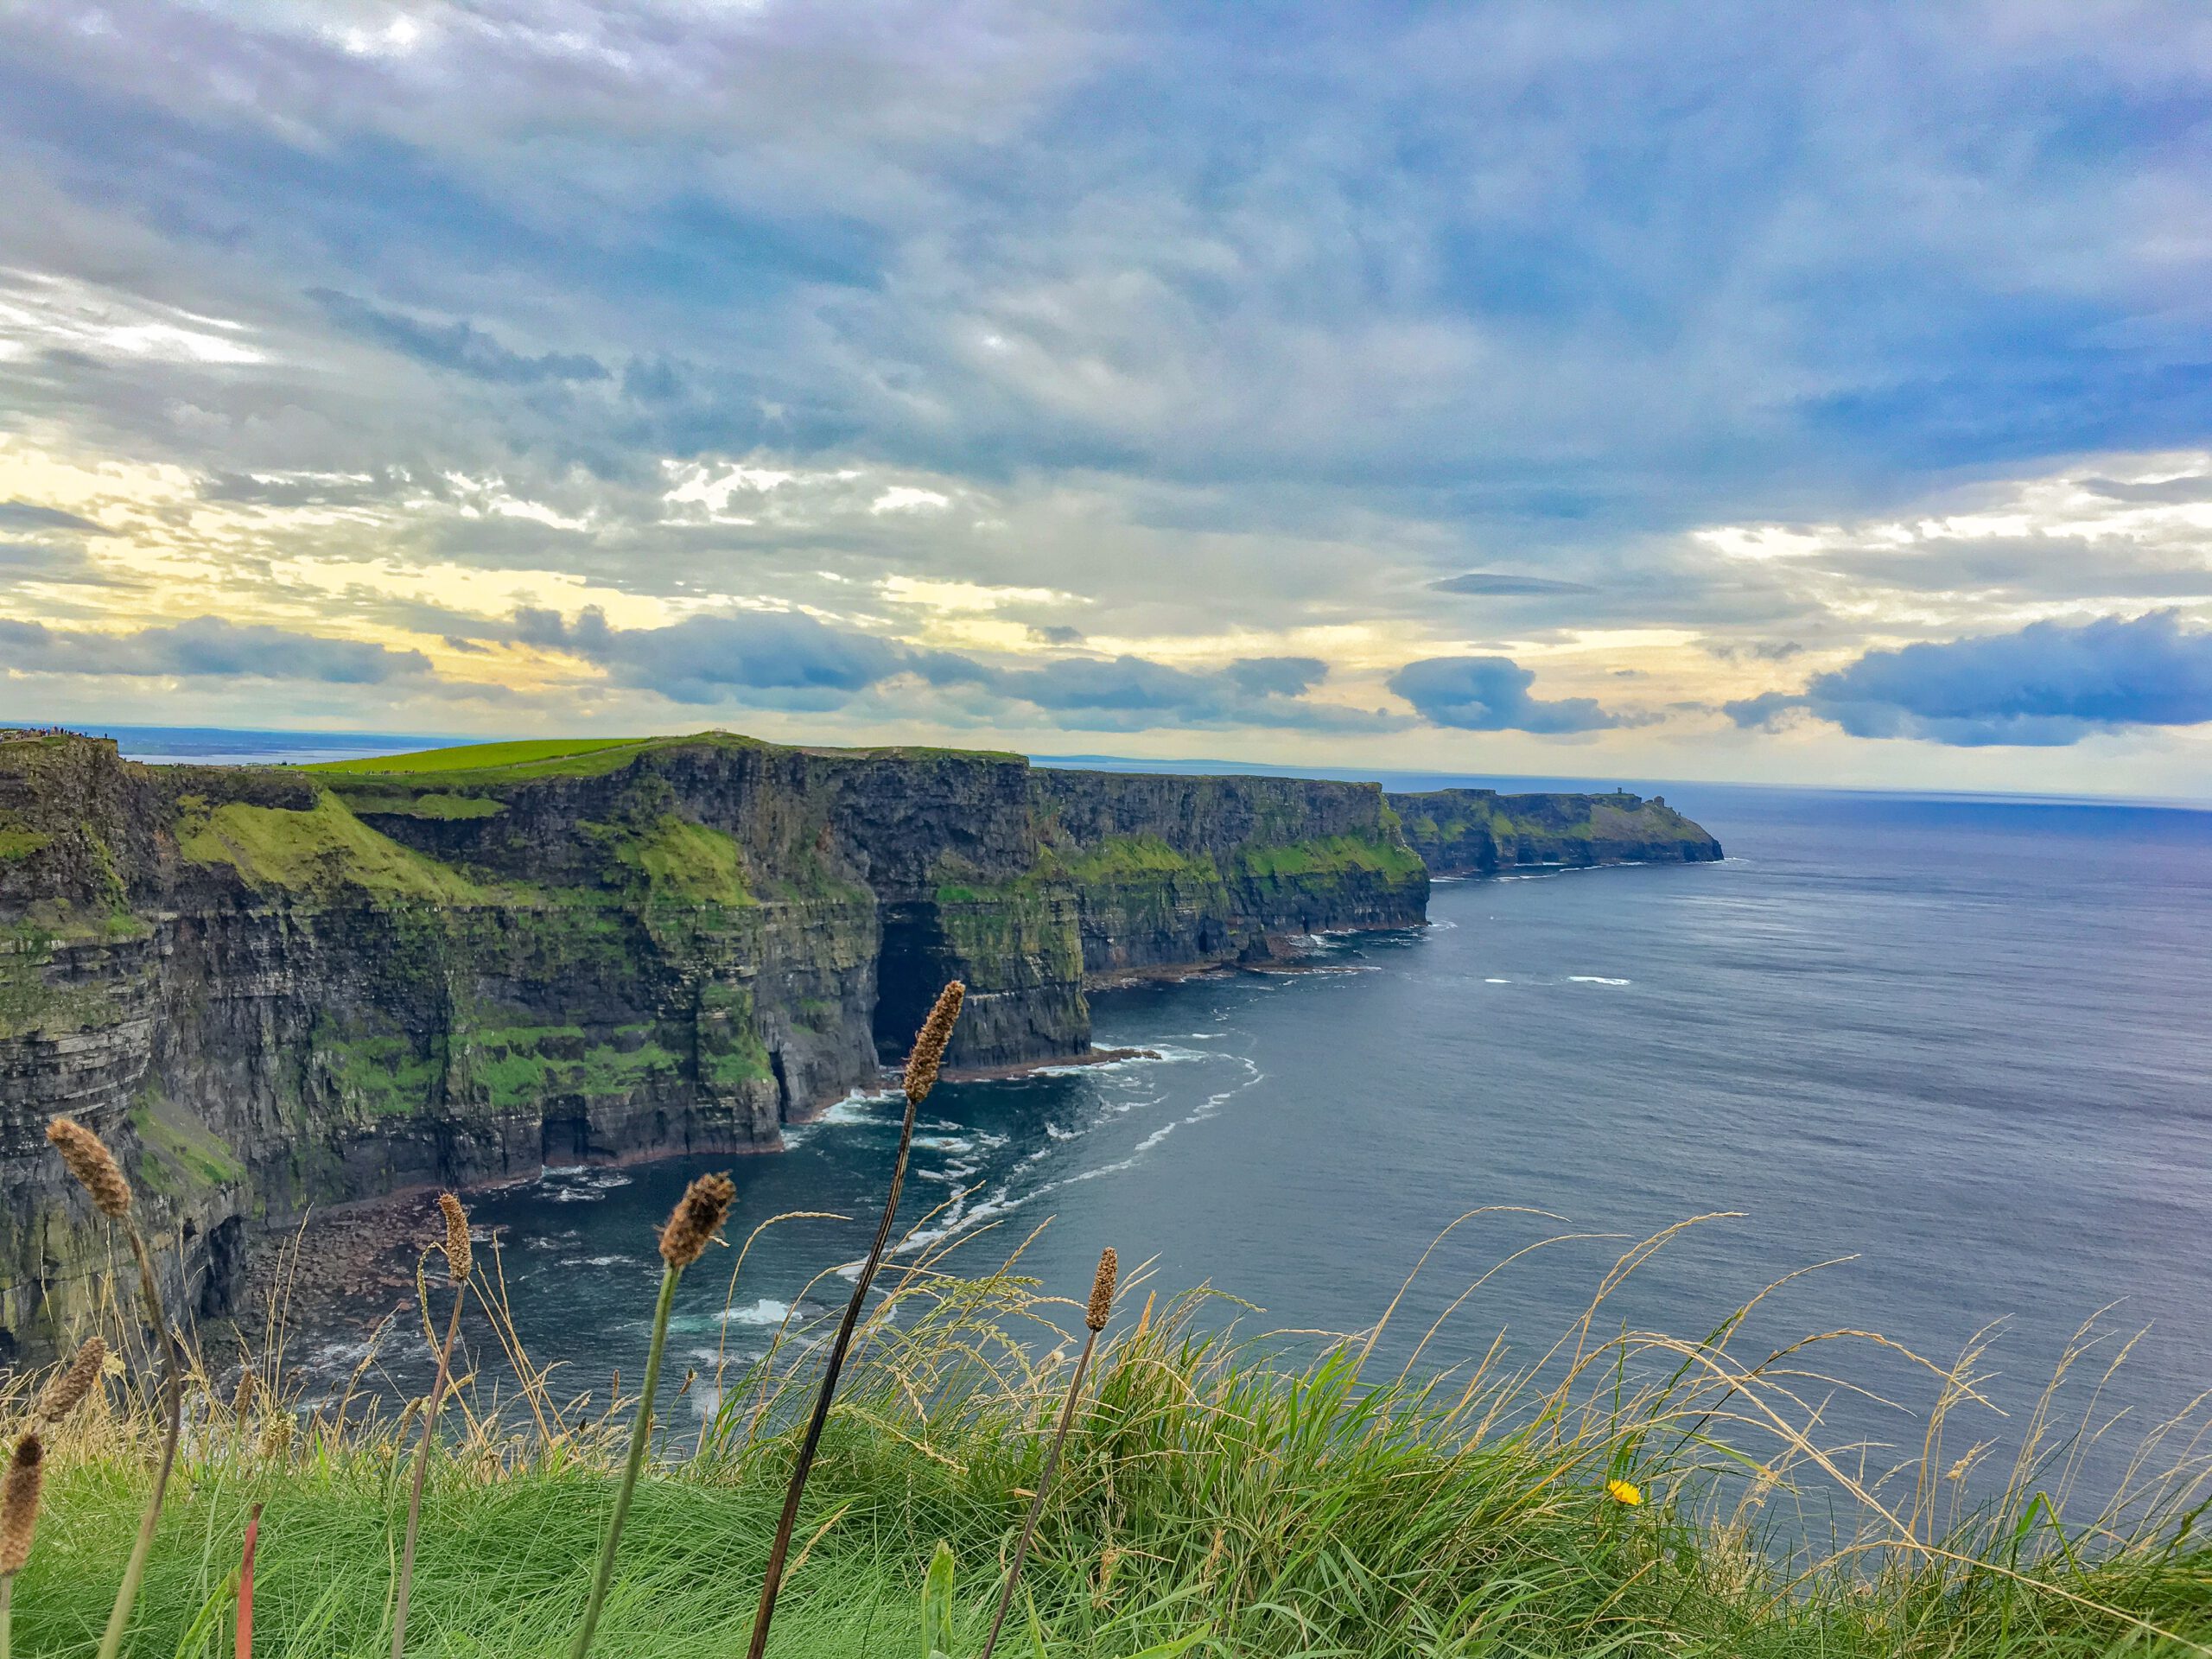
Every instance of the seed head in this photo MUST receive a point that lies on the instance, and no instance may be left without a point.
(698, 1216)
(242, 1400)
(457, 1251)
(276, 1438)
(19, 1504)
(1101, 1290)
(93, 1166)
(68, 1390)
(930, 1042)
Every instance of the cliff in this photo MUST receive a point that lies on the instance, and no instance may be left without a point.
(1480, 832)
(272, 988)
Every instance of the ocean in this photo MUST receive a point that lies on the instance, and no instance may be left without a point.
(1951, 1054)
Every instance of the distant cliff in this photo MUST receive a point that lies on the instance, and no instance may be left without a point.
(270, 988)
(1480, 832)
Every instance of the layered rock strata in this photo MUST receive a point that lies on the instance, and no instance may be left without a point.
(272, 988)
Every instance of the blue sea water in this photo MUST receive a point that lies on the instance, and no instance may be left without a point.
(1960, 1048)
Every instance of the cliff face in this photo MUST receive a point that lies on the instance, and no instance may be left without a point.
(270, 988)
(1480, 832)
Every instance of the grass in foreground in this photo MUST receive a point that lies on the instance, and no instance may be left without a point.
(1285, 1507)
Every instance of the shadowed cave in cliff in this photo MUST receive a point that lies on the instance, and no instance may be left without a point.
(911, 966)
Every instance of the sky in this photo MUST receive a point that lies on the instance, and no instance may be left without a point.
(1763, 392)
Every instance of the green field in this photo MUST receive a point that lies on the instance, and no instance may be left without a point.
(485, 757)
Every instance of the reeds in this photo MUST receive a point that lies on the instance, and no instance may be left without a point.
(88, 1160)
(458, 1260)
(1094, 1315)
(921, 1073)
(697, 1218)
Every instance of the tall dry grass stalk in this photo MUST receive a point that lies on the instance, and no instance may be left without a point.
(697, 1218)
(1094, 1320)
(18, 1524)
(69, 1387)
(458, 1262)
(88, 1160)
(922, 1068)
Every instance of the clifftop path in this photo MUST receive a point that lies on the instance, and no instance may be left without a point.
(273, 986)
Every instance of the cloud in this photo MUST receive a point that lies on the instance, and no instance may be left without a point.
(782, 658)
(2047, 685)
(459, 346)
(1490, 694)
(205, 646)
(786, 659)
(1499, 584)
(25, 515)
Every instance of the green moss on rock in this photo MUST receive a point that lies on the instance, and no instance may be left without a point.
(322, 851)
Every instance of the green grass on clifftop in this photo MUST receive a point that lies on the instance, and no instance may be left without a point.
(481, 757)
(1633, 1495)
(326, 850)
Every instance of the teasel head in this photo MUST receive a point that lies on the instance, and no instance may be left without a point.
(68, 1389)
(698, 1216)
(457, 1250)
(19, 1504)
(1101, 1290)
(931, 1041)
(93, 1166)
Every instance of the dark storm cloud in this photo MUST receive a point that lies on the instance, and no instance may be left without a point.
(1490, 694)
(2049, 684)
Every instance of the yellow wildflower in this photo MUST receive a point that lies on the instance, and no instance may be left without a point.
(1624, 1492)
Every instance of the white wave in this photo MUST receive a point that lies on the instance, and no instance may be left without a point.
(766, 1310)
(1498, 982)
(1155, 1137)
(1161, 1054)
(1595, 979)
(1054, 1132)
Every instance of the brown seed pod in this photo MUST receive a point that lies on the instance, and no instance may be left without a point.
(930, 1043)
(19, 1504)
(698, 1216)
(276, 1438)
(1101, 1290)
(242, 1401)
(68, 1390)
(458, 1255)
(93, 1166)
